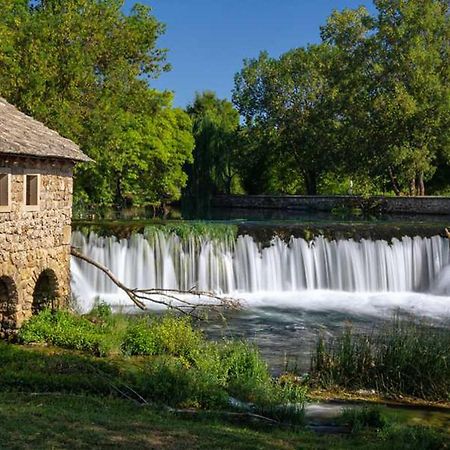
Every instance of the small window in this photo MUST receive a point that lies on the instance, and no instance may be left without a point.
(31, 190)
(5, 191)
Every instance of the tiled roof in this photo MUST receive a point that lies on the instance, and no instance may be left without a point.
(24, 136)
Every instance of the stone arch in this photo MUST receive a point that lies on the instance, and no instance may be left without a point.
(8, 304)
(46, 291)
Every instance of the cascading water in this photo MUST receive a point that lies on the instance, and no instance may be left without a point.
(242, 265)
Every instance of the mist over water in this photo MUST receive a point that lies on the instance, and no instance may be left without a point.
(365, 277)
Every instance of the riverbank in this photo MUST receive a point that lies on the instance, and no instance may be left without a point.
(43, 420)
(107, 380)
(70, 391)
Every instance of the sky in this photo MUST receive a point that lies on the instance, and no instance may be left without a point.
(208, 39)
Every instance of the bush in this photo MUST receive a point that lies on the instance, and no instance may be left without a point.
(161, 336)
(63, 329)
(170, 381)
(99, 333)
(407, 358)
(180, 366)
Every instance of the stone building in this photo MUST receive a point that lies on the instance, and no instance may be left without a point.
(36, 166)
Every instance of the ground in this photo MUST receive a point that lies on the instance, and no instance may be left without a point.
(35, 421)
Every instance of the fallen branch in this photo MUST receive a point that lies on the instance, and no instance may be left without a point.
(166, 297)
(224, 414)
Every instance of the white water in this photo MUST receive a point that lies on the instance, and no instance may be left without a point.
(165, 261)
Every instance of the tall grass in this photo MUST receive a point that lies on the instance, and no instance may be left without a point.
(169, 361)
(405, 357)
(390, 431)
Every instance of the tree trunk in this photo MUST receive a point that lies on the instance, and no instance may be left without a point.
(412, 187)
(310, 182)
(118, 194)
(421, 185)
(394, 182)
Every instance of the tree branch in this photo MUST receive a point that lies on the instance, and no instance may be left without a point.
(168, 297)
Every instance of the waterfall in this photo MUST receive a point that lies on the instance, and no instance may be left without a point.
(242, 265)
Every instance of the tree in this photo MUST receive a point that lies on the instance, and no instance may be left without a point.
(413, 40)
(83, 67)
(393, 72)
(370, 103)
(216, 154)
(292, 101)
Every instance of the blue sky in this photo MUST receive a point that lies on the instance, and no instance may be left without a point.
(208, 39)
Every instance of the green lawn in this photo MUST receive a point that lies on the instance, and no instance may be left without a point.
(53, 398)
(39, 421)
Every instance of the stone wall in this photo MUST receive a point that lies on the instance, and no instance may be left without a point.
(393, 205)
(35, 244)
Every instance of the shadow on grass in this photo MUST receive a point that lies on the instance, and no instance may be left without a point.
(64, 421)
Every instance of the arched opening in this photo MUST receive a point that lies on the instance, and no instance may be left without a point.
(45, 292)
(8, 304)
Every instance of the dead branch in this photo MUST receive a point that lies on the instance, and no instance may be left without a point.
(169, 298)
(225, 414)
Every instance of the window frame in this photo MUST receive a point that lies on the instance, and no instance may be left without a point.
(38, 194)
(7, 171)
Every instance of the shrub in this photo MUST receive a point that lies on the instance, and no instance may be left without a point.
(181, 367)
(169, 380)
(167, 335)
(63, 329)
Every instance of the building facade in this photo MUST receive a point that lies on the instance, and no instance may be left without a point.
(36, 186)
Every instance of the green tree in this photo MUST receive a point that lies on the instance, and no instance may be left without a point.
(392, 72)
(413, 42)
(216, 154)
(293, 102)
(83, 67)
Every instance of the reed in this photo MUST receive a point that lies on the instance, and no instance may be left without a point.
(406, 357)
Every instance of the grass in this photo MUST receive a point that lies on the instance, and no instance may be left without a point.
(198, 230)
(159, 359)
(394, 433)
(365, 417)
(404, 358)
(30, 421)
(70, 395)
(85, 422)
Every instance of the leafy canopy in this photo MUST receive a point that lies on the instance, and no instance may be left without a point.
(84, 68)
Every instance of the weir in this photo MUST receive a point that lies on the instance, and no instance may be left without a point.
(165, 260)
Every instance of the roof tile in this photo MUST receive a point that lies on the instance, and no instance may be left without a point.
(22, 135)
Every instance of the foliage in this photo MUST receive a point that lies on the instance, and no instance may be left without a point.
(391, 432)
(405, 358)
(83, 67)
(160, 336)
(291, 99)
(176, 365)
(395, 68)
(369, 104)
(63, 329)
(216, 153)
(366, 417)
